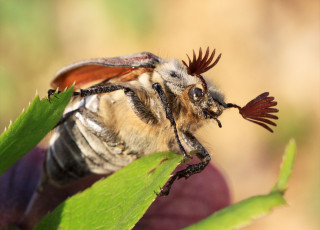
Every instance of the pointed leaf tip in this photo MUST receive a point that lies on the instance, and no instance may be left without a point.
(286, 167)
(17, 140)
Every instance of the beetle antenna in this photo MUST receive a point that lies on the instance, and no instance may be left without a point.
(258, 110)
(200, 65)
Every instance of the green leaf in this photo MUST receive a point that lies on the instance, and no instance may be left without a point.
(117, 202)
(286, 167)
(243, 212)
(31, 127)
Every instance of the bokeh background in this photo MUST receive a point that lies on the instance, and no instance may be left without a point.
(266, 46)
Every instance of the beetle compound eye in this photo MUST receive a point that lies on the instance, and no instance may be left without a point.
(196, 94)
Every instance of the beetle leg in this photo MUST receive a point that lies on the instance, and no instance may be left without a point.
(157, 87)
(52, 91)
(135, 102)
(202, 154)
(66, 116)
(99, 89)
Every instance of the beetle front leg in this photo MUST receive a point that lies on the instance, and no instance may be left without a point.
(169, 115)
(202, 154)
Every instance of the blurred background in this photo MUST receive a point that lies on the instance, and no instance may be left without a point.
(266, 46)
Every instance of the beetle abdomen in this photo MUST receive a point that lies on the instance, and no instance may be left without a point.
(83, 145)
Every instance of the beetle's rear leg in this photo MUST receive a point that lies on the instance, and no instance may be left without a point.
(66, 115)
(52, 91)
(141, 110)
